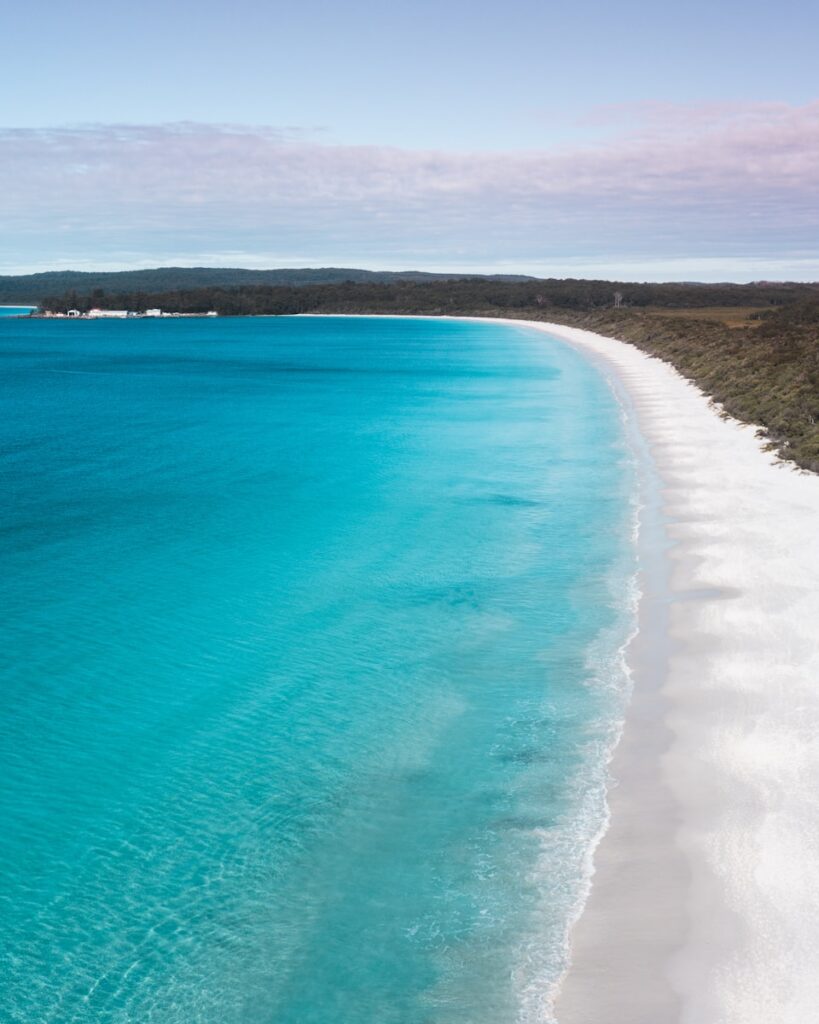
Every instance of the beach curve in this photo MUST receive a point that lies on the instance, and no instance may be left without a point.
(704, 906)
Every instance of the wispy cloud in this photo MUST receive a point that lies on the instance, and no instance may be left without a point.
(675, 181)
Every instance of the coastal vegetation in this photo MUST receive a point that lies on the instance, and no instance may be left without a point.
(753, 348)
(764, 372)
(249, 292)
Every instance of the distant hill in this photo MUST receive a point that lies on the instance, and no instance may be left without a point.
(172, 283)
(31, 288)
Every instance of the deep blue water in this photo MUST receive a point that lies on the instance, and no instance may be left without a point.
(309, 639)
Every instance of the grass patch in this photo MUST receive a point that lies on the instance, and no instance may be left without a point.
(728, 316)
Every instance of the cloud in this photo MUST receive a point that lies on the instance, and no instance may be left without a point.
(665, 179)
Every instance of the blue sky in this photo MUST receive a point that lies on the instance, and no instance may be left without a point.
(632, 140)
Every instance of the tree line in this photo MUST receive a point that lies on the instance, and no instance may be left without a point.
(468, 295)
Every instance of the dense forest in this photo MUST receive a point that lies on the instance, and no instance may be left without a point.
(432, 296)
(30, 289)
(753, 348)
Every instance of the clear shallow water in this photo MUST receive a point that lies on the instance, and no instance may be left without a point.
(15, 310)
(310, 641)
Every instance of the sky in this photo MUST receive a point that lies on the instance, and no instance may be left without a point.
(640, 140)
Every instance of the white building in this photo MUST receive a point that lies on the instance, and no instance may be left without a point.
(97, 314)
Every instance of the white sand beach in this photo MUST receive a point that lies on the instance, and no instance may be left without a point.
(705, 900)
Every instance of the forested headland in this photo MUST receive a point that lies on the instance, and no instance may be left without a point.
(753, 348)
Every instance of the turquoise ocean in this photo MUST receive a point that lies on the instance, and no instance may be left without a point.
(311, 661)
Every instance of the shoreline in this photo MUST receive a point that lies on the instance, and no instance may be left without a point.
(703, 905)
(636, 852)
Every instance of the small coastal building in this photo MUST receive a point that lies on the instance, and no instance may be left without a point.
(74, 312)
(98, 314)
(153, 312)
